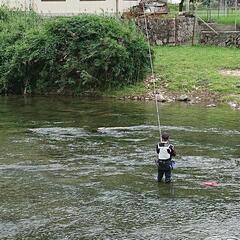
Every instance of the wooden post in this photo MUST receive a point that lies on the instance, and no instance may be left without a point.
(193, 35)
(117, 7)
(236, 15)
(187, 5)
(207, 24)
(175, 32)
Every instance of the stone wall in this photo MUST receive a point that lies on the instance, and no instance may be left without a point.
(167, 31)
(224, 39)
(218, 27)
(179, 30)
(225, 35)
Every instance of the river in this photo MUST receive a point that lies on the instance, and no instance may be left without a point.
(73, 168)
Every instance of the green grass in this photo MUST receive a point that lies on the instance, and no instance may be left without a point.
(228, 20)
(186, 68)
(189, 68)
(132, 90)
(210, 15)
(173, 10)
(229, 17)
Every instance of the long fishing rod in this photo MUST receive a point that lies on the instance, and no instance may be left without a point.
(152, 70)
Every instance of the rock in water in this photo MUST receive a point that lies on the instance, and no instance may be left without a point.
(160, 98)
(183, 98)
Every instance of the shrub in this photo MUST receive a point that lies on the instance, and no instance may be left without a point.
(14, 26)
(74, 53)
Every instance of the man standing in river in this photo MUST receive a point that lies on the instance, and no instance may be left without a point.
(165, 152)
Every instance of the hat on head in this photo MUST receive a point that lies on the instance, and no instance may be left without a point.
(165, 136)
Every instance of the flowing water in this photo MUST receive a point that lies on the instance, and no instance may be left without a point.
(75, 168)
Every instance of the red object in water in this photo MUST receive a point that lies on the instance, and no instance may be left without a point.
(211, 184)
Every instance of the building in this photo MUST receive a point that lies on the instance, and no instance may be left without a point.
(71, 7)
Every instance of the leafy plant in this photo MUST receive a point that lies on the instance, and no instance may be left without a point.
(71, 54)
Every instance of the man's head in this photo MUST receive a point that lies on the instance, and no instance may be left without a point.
(165, 137)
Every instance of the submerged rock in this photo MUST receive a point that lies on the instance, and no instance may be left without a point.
(160, 98)
(233, 105)
(183, 98)
(211, 105)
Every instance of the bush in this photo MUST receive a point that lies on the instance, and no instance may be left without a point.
(14, 26)
(73, 54)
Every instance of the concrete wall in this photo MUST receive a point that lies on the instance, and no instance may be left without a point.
(70, 7)
(168, 31)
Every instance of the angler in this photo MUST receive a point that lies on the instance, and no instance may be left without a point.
(165, 152)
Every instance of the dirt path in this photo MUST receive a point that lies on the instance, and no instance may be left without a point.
(229, 72)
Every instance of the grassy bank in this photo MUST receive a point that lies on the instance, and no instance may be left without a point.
(185, 69)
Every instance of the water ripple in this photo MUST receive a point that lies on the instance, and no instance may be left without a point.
(59, 132)
(143, 128)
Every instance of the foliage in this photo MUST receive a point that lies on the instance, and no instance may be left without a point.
(14, 25)
(173, 10)
(70, 53)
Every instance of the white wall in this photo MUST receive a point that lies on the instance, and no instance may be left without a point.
(69, 7)
(174, 1)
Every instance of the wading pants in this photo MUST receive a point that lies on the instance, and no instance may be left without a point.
(165, 167)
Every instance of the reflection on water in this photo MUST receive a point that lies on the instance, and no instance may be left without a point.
(84, 169)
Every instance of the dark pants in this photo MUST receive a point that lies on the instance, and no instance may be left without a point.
(165, 167)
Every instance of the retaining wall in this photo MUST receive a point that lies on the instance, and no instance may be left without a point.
(179, 30)
(225, 35)
(167, 31)
(224, 39)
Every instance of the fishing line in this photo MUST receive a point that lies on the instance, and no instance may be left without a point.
(152, 71)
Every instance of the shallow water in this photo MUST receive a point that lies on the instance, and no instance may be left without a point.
(75, 168)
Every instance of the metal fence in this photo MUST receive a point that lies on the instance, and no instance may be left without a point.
(219, 11)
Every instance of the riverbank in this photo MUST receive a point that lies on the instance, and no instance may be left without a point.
(196, 74)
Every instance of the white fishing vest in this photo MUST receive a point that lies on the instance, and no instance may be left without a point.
(163, 152)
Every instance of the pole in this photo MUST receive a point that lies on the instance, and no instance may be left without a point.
(193, 35)
(153, 76)
(187, 6)
(210, 11)
(236, 1)
(207, 24)
(175, 29)
(117, 7)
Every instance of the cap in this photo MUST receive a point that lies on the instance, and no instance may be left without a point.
(165, 136)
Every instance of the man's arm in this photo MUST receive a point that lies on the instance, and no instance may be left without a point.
(172, 151)
(157, 148)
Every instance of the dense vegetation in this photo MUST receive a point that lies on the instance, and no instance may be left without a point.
(68, 54)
